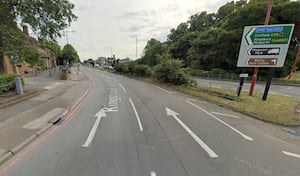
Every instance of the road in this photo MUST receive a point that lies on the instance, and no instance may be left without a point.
(274, 89)
(126, 127)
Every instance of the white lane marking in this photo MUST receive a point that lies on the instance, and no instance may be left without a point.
(44, 119)
(137, 115)
(123, 88)
(227, 115)
(169, 92)
(91, 136)
(291, 154)
(152, 173)
(191, 99)
(226, 124)
(205, 147)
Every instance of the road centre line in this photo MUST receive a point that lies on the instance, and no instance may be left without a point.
(137, 115)
(227, 115)
(221, 121)
(291, 154)
(169, 92)
(123, 88)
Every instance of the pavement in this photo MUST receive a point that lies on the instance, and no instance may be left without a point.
(45, 101)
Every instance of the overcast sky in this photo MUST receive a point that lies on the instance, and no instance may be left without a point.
(106, 24)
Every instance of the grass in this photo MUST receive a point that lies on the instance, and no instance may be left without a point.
(277, 109)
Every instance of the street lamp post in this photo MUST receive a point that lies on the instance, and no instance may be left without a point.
(136, 43)
(111, 55)
(67, 37)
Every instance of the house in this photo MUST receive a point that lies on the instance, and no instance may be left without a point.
(48, 59)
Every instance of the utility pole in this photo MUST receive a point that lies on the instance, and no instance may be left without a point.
(254, 77)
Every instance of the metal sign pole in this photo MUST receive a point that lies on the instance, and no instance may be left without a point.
(272, 71)
(256, 68)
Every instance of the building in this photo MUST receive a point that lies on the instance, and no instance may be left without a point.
(48, 59)
(122, 61)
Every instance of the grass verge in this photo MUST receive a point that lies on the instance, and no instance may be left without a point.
(277, 109)
(282, 110)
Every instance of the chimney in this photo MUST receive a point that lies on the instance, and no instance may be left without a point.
(25, 30)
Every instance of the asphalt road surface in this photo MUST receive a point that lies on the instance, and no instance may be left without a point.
(293, 91)
(125, 127)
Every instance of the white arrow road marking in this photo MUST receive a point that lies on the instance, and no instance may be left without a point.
(248, 37)
(123, 88)
(226, 124)
(152, 173)
(137, 115)
(227, 115)
(208, 150)
(169, 92)
(91, 136)
(291, 154)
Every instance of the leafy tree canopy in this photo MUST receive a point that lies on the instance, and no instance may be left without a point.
(69, 54)
(212, 40)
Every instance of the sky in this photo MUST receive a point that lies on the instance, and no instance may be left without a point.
(106, 27)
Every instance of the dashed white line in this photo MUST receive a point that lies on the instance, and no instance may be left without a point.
(169, 92)
(291, 154)
(123, 88)
(226, 124)
(137, 115)
(227, 115)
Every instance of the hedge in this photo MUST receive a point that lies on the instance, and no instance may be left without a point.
(7, 82)
(134, 69)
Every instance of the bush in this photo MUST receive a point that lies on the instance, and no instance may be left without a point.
(7, 82)
(169, 72)
(142, 70)
(134, 69)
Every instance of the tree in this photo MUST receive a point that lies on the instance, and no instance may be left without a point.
(69, 54)
(54, 47)
(152, 50)
(46, 18)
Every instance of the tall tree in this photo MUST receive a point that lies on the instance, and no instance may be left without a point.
(152, 50)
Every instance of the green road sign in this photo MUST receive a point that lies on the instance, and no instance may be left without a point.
(269, 35)
(261, 45)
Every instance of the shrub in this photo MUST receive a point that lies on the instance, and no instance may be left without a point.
(7, 82)
(142, 70)
(169, 72)
(134, 68)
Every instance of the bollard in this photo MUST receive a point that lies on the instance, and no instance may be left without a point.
(19, 86)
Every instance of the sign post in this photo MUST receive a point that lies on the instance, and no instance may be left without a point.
(265, 46)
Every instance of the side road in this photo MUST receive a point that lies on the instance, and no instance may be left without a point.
(51, 99)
